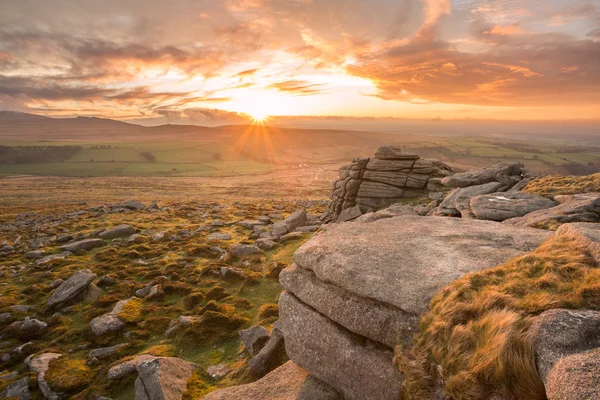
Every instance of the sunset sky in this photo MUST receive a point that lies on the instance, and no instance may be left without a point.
(203, 60)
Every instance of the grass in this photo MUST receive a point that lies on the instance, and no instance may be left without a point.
(476, 338)
(68, 375)
(553, 185)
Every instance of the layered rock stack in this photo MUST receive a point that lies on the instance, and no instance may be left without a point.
(391, 176)
(357, 290)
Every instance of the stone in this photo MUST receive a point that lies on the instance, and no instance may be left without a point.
(32, 328)
(575, 377)
(254, 339)
(288, 237)
(17, 390)
(133, 205)
(349, 214)
(295, 220)
(577, 208)
(106, 323)
(244, 250)
(118, 232)
(53, 257)
(270, 356)
(105, 351)
(358, 370)
(403, 261)
(279, 228)
(315, 389)
(284, 383)
(34, 255)
(460, 199)
(379, 190)
(561, 333)
(127, 367)
(265, 244)
(502, 206)
(86, 244)
(76, 285)
(494, 173)
(394, 153)
(392, 211)
(163, 378)
(39, 365)
(250, 224)
(218, 371)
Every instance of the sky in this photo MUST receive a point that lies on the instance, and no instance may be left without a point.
(201, 61)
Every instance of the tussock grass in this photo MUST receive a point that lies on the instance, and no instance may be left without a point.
(552, 185)
(476, 339)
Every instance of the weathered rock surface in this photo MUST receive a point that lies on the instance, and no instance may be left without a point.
(358, 370)
(389, 177)
(576, 208)
(502, 206)
(315, 389)
(561, 333)
(254, 338)
(118, 232)
(128, 367)
(575, 377)
(495, 173)
(17, 390)
(86, 244)
(72, 288)
(460, 199)
(163, 378)
(39, 365)
(403, 261)
(284, 383)
(270, 356)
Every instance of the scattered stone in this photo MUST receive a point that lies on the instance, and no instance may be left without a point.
(72, 288)
(21, 308)
(163, 378)
(288, 237)
(86, 244)
(460, 199)
(53, 257)
(39, 364)
(495, 173)
(295, 220)
(265, 244)
(502, 206)
(105, 351)
(218, 371)
(34, 255)
(219, 236)
(32, 328)
(118, 232)
(254, 339)
(270, 356)
(243, 250)
(17, 390)
(284, 383)
(127, 367)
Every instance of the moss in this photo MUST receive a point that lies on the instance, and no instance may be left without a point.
(6, 301)
(132, 311)
(217, 293)
(268, 314)
(161, 350)
(197, 388)
(156, 324)
(68, 375)
(477, 331)
(193, 299)
(106, 254)
(214, 326)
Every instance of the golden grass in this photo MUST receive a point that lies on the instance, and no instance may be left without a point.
(476, 338)
(552, 185)
(66, 374)
(132, 311)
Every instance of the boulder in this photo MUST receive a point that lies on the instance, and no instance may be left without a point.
(392, 211)
(105, 324)
(295, 220)
(218, 371)
(127, 367)
(118, 232)
(105, 351)
(495, 173)
(284, 383)
(270, 356)
(17, 390)
(502, 206)
(394, 153)
(561, 333)
(315, 389)
(349, 214)
(460, 199)
(39, 365)
(243, 250)
(575, 377)
(219, 236)
(334, 355)
(576, 208)
(163, 378)
(254, 339)
(75, 286)
(86, 244)
(32, 328)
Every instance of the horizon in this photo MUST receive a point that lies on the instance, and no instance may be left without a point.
(233, 62)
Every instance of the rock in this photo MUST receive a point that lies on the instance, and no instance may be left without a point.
(370, 184)
(266, 244)
(250, 224)
(86, 244)
(334, 355)
(135, 238)
(32, 328)
(218, 371)
(34, 255)
(575, 377)
(106, 281)
(588, 232)
(219, 236)
(163, 378)
(307, 229)
(403, 261)
(133, 205)
(284, 383)
(17, 390)
(392, 211)
(105, 324)
(39, 364)
(460, 199)
(279, 228)
(72, 288)
(295, 220)
(270, 356)
(254, 339)
(288, 237)
(502, 206)
(56, 283)
(53, 257)
(561, 333)
(105, 351)
(127, 367)
(494, 173)
(118, 232)
(21, 308)
(315, 389)
(578, 208)
(243, 250)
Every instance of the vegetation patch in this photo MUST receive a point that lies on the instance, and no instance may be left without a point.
(68, 375)
(132, 311)
(476, 338)
(553, 185)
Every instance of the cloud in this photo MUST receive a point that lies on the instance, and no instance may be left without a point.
(216, 116)
(298, 87)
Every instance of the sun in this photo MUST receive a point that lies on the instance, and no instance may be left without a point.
(259, 116)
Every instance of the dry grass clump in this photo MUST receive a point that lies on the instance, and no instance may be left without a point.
(554, 185)
(68, 375)
(476, 341)
(132, 311)
(214, 326)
